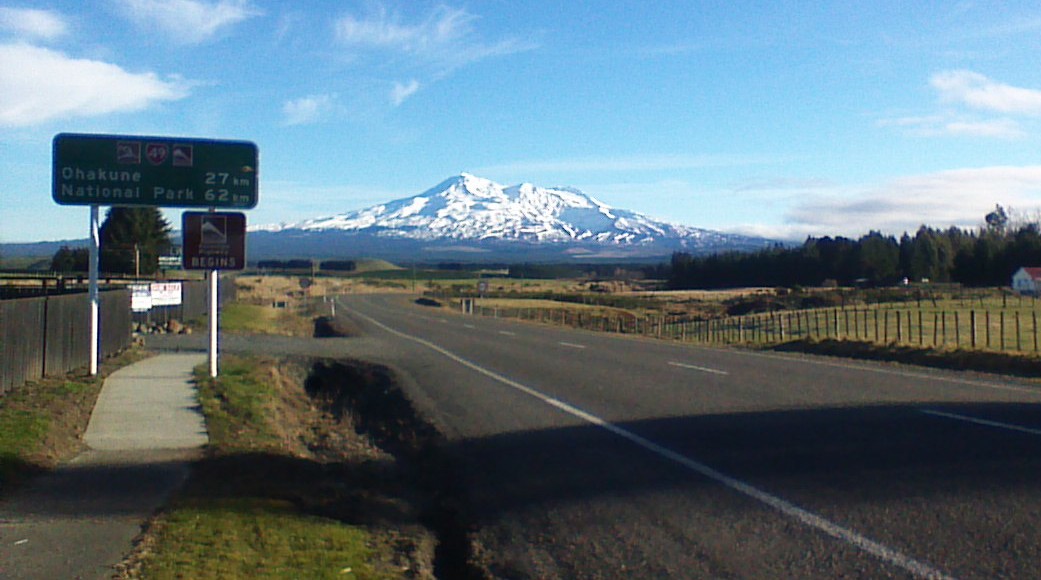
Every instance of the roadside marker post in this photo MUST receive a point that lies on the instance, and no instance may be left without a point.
(128, 170)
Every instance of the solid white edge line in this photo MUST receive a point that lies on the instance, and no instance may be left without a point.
(697, 368)
(808, 518)
(985, 422)
(572, 345)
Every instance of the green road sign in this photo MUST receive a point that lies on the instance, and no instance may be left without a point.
(155, 171)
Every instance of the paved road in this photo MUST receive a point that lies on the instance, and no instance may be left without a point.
(593, 456)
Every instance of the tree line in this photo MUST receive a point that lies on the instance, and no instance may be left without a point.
(984, 257)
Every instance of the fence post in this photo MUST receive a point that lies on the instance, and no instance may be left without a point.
(972, 328)
(1019, 341)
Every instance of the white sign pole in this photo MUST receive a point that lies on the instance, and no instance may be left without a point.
(95, 242)
(213, 323)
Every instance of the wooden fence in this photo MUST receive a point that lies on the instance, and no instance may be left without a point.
(51, 335)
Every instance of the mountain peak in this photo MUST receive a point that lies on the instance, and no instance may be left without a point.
(468, 208)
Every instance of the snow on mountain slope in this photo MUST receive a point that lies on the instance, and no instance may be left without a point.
(467, 207)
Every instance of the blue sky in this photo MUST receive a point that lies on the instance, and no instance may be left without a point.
(783, 119)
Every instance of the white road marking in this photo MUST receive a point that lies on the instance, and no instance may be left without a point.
(697, 368)
(442, 320)
(507, 333)
(808, 518)
(572, 345)
(978, 421)
(469, 326)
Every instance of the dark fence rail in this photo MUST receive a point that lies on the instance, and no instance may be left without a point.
(50, 335)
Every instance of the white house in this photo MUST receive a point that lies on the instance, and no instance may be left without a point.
(1027, 281)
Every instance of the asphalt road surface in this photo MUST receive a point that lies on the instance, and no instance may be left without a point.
(588, 455)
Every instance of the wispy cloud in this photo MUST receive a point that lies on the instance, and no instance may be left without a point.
(980, 92)
(969, 98)
(188, 21)
(309, 109)
(951, 125)
(62, 87)
(626, 163)
(958, 197)
(402, 91)
(33, 24)
(446, 39)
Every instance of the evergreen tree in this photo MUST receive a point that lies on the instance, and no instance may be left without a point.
(69, 260)
(132, 239)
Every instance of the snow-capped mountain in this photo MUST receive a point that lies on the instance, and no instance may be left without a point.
(471, 214)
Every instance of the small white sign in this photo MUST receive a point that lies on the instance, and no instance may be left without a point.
(140, 297)
(166, 293)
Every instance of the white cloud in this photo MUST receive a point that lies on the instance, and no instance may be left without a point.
(958, 197)
(979, 92)
(400, 92)
(972, 94)
(38, 85)
(33, 24)
(445, 39)
(625, 163)
(999, 128)
(309, 109)
(952, 125)
(189, 21)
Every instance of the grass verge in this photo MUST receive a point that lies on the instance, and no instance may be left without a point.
(1013, 364)
(42, 423)
(254, 319)
(285, 491)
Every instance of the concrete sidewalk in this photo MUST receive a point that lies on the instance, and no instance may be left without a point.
(80, 520)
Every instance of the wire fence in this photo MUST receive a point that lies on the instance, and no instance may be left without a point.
(996, 329)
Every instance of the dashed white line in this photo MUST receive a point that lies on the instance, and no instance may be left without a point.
(507, 333)
(877, 549)
(697, 368)
(572, 345)
(984, 422)
(469, 326)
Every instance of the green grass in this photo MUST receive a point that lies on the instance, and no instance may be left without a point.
(236, 317)
(236, 406)
(256, 538)
(21, 432)
(236, 517)
(253, 319)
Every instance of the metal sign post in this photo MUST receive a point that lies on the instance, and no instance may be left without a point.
(95, 306)
(214, 314)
